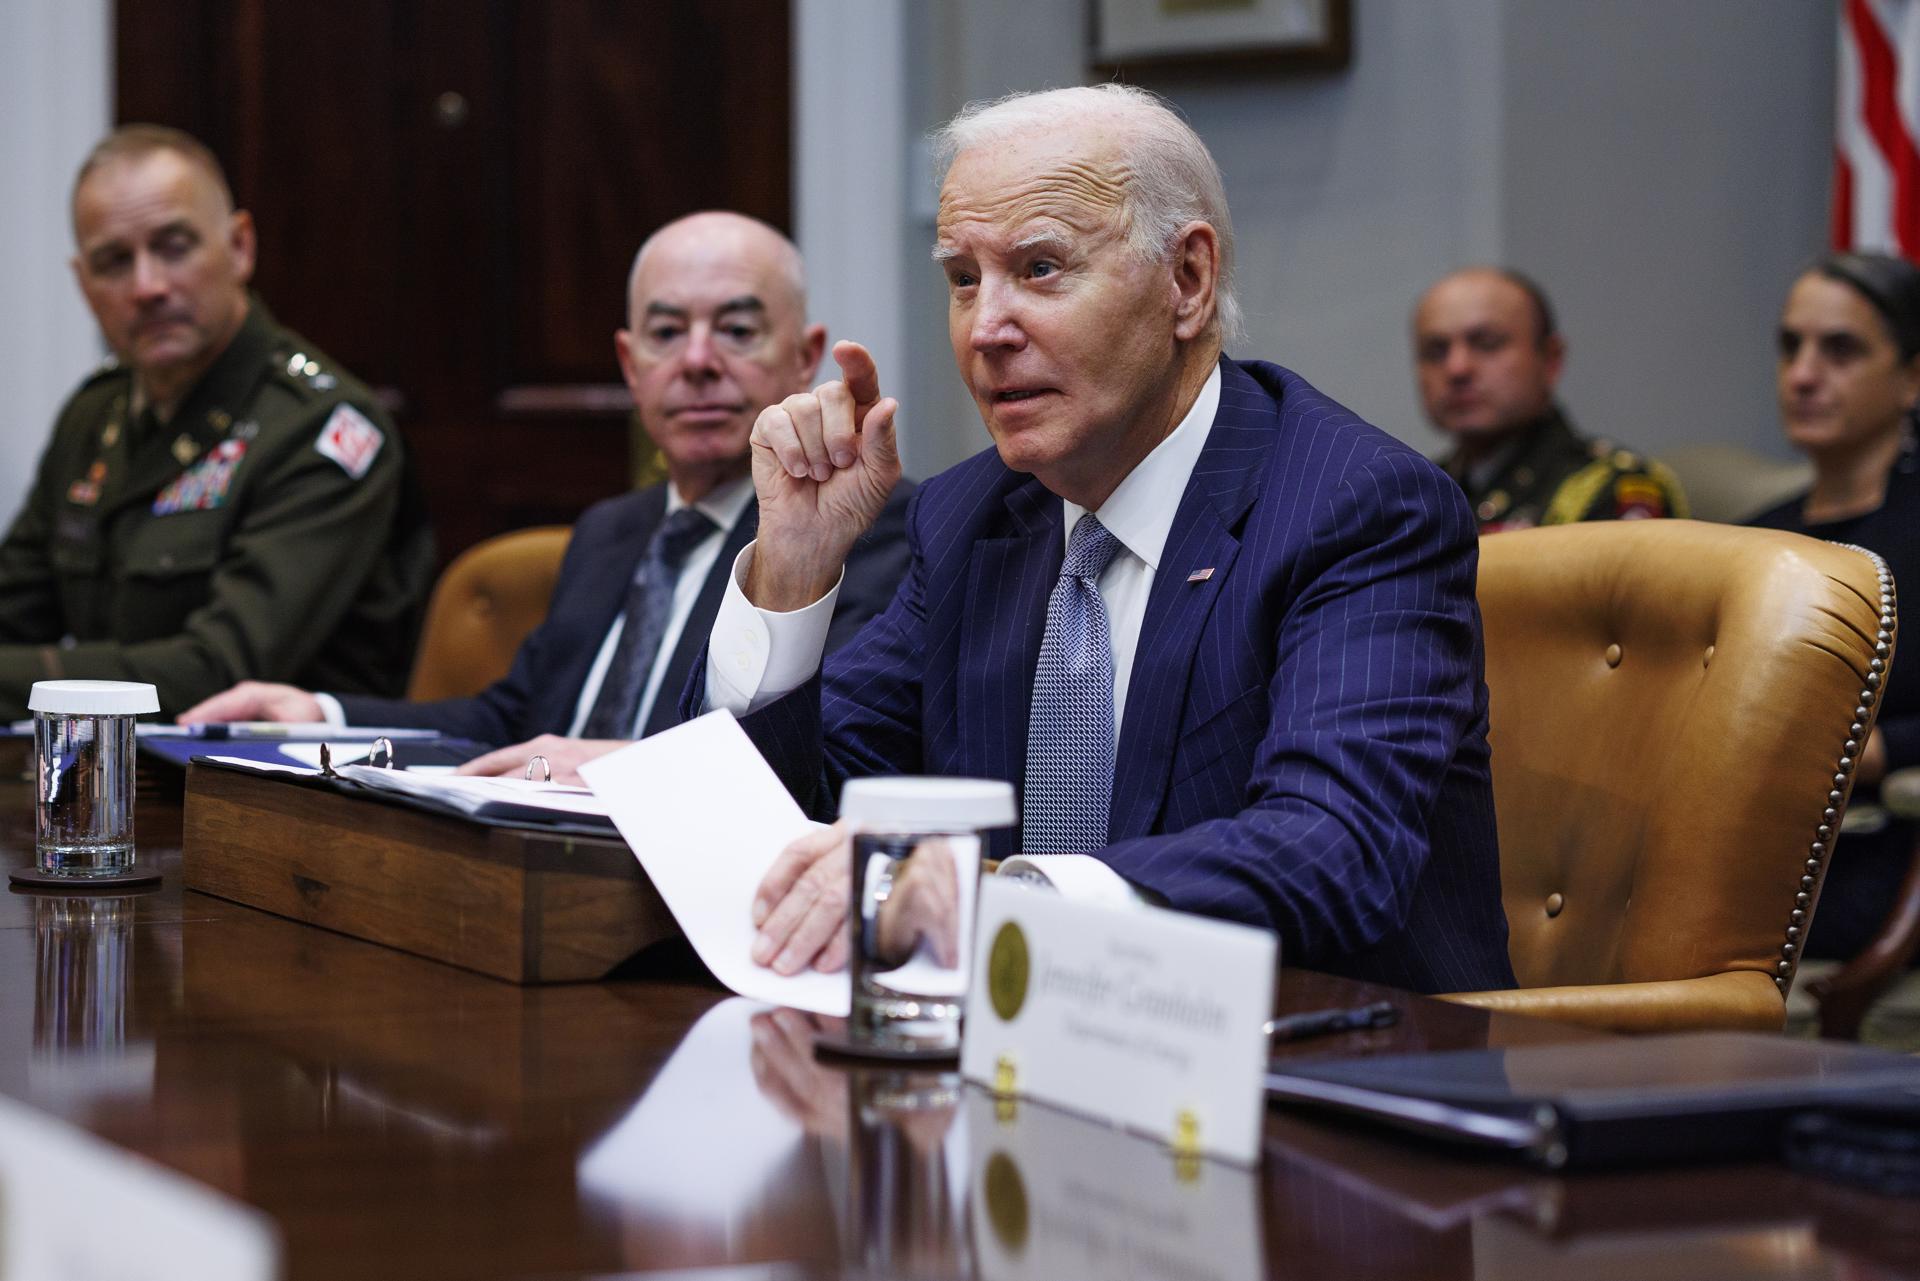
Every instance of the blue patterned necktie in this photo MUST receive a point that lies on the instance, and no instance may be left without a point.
(649, 606)
(1070, 727)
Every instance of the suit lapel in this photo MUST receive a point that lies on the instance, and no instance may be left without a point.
(1005, 615)
(665, 713)
(1194, 569)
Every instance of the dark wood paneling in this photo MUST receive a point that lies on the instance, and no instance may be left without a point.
(449, 193)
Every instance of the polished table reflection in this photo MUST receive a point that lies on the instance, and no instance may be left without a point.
(399, 1117)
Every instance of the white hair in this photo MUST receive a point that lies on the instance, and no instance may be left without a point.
(1172, 179)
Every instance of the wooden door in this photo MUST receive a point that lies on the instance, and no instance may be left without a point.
(449, 193)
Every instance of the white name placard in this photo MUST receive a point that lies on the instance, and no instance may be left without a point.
(1147, 1018)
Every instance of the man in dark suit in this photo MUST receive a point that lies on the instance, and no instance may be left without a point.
(716, 332)
(1220, 632)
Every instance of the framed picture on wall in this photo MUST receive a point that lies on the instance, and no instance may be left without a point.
(1305, 35)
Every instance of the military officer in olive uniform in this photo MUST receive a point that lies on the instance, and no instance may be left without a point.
(1488, 356)
(220, 500)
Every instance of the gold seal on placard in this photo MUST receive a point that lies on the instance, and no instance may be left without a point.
(1006, 1197)
(1007, 969)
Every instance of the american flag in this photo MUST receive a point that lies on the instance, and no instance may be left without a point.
(1876, 170)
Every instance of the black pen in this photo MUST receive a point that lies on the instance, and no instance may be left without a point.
(1297, 1027)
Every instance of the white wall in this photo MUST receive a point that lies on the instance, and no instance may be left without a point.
(1661, 167)
(1351, 191)
(55, 87)
(850, 159)
(1668, 174)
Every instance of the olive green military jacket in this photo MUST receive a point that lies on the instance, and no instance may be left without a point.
(270, 529)
(1555, 476)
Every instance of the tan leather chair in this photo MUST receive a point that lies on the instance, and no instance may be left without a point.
(484, 605)
(1673, 710)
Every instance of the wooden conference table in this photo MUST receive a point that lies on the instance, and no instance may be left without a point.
(399, 1117)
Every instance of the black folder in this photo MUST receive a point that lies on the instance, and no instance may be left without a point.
(1646, 1100)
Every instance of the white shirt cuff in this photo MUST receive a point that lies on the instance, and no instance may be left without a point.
(330, 710)
(1080, 877)
(757, 655)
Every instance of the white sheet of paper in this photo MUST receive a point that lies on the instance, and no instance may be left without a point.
(263, 767)
(308, 754)
(706, 816)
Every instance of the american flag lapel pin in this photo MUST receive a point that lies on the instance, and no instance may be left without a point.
(1200, 575)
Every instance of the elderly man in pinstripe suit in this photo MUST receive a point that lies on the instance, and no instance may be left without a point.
(1218, 631)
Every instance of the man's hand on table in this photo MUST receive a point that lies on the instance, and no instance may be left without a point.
(564, 756)
(801, 907)
(255, 701)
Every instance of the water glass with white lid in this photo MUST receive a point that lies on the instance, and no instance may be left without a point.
(83, 745)
(916, 863)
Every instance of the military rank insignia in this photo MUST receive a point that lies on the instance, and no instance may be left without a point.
(350, 440)
(204, 485)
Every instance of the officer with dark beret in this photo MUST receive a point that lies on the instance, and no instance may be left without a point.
(220, 500)
(1488, 355)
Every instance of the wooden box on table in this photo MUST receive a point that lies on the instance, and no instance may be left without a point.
(519, 904)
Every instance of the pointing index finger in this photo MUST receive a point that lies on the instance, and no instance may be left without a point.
(860, 374)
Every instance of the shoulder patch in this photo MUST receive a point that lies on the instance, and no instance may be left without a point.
(350, 440)
(1638, 497)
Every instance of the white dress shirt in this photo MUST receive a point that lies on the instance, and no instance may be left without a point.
(758, 655)
(724, 506)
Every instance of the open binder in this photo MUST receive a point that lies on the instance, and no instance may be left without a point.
(1647, 1100)
(429, 750)
(493, 802)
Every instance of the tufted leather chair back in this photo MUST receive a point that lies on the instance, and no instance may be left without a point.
(484, 605)
(1674, 712)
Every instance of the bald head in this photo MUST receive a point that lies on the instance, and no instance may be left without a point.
(716, 331)
(722, 236)
(1487, 355)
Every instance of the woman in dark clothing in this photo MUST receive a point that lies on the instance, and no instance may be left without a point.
(1849, 376)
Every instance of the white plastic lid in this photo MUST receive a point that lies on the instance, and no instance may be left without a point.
(927, 804)
(93, 698)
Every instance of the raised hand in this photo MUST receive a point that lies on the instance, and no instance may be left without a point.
(824, 462)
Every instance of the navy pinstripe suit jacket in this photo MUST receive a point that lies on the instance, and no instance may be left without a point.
(1304, 744)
